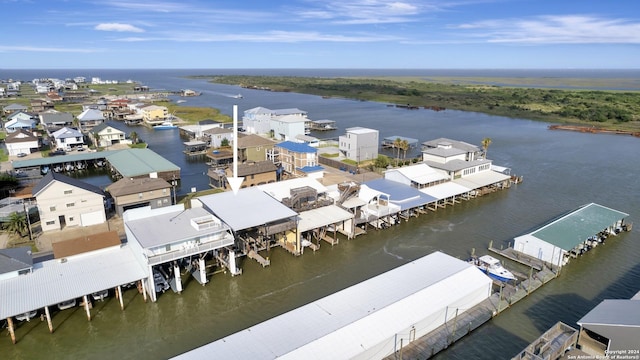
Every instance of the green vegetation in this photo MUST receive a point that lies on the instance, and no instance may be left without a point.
(193, 114)
(619, 110)
(329, 155)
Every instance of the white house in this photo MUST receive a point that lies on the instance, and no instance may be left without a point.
(417, 176)
(21, 142)
(65, 201)
(68, 138)
(20, 120)
(359, 143)
(259, 120)
(107, 135)
(459, 159)
(217, 134)
(288, 127)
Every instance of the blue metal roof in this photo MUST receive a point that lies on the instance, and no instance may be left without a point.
(297, 147)
(405, 196)
(310, 169)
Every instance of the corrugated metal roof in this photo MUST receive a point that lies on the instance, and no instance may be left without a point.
(445, 190)
(15, 259)
(357, 319)
(52, 282)
(297, 147)
(136, 162)
(577, 226)
(53, 176)
(250, 207)
(326, 215)
(405, 196)
(421, 173)
(170, 227)
(481, 179)
(613, 312)
(282, 189)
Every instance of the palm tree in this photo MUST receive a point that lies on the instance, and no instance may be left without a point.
(485, 145)
(134, 137)
(404, 145)
(16, 223)
(96, 136)
(397, 143)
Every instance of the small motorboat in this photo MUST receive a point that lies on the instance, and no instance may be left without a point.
(160, 282)
(27, 316)
(167, 125)
(67, 304)
(100, 295)
(492, 267)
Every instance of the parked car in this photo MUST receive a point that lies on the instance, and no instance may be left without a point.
(22, 155)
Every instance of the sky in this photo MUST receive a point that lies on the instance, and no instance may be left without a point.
(307, 34)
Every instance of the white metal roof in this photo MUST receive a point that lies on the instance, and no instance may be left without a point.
(421, 173)
(53, 281)
(167, 228)
(481, 179)
(250, 207)
(281, 189)
(326, 215)
(445, 190)
(347, 323)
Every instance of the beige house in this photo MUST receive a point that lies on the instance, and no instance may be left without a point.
(65, 201)
(107, 135)
(253, 147)
(154, 114)
(254, 173)
(130, 193)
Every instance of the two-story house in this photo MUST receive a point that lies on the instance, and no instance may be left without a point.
(53, 120)
(253, 147)
(297, 159)
(154, 114)
(20, 120)
(287, 128)
(359, 144)
(90, 118)
(68, 138)
(21, 142)
(129, 193)
(457, 158)
(254, 173)
(65, 201)
(104, 135)
(259, 120)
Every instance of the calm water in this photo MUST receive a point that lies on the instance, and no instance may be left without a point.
(562, 170)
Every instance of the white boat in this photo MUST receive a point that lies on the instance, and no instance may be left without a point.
(27, 316)
(100, 295)
(67, 304)
(492, 267)
(239, 96)
(160, 282)
(181, 101)
(167, 125)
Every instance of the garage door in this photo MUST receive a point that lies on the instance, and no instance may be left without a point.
(93, 218)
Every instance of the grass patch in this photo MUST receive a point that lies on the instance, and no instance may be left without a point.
(350, 162)
(329, 155)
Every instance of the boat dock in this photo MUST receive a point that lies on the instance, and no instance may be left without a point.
(550, 345)
(524, 259)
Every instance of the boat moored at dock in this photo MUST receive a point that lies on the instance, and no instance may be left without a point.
(492, 267)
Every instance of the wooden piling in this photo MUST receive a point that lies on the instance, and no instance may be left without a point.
(119, 296)
(86, 307)
(48, 316)
(11, 330)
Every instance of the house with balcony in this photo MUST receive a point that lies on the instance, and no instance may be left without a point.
(130, 193)
(20, 120)
(359, 144)
(298, 159)
(217, 135)
(68, 138)
(107, 135)
(288, 127)
(53, 120)
(21, 142)
(170, 240)
(41, 105)
(65, 201)
(254, 173)
(90, 118)
(154, 114)
(253, 147)
(459, 159)
(259, 120)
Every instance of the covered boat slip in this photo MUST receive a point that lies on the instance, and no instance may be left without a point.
(363, 321)
(317, 222)
(484, 182)
(55, 281)
(448, 193)
(577, 230)
(406, 200)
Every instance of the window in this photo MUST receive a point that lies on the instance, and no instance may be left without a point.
(71, 205)
(67, 192)
(71, 219)
(51, 222)
(52, 208)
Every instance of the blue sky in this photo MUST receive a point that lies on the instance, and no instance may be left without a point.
(416, 34)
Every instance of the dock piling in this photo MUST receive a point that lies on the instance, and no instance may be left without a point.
(48, 316)
(11, 331)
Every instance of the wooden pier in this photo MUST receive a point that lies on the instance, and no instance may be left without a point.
(252, 254)
(524, 259)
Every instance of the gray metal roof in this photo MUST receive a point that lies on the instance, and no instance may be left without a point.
(322, 216)
(577, 226)
(456, 164)
(249, 208)
(168, 228)
(613, 312)
(87, 155)
(54, 176)
(360, 318)
(405, 196)
(52, 282)
(136, 162)
(15, 259)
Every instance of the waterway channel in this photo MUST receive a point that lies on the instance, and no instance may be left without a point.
(561, 170)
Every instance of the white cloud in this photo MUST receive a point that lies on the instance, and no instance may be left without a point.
(565, 29)
(46, 49)
(269, 36)
(366, 11)
(118, 27)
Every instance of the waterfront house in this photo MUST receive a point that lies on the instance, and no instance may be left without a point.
(53, 120)
(154, 114)
(90, 118)
(418, 175)
(253, 147)
(390, 142)
(11, 108)
(166, 239)
(457, 158)
(294, 157)
(254, 173)
(15, 262)
(571, 234)
(21, 142)
(258, 120)
(65, 201)
(359, 144)
(128, 193)
(217, 135)
(68, 138)
(107, 135)
(288, 127)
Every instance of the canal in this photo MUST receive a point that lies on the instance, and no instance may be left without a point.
(561, 170)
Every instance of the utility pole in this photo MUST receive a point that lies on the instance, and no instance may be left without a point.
(26, 213)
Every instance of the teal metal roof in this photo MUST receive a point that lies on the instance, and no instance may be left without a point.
(577, 226)
(136, 162)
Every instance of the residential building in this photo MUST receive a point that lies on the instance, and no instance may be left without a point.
(217, 135)
(20, 120)
(154, 114)
(90, 118)
(107, 135)
(288, 127)
(15, 262)
(40, 105)
(68, 138)
(12, 108)
(296, 158)
(259, 121)
(359, 144)
(65, 201)
(254, 173)
(459, 159)
(129, 193)
(54, 120)
(21, 142)
(253, 147)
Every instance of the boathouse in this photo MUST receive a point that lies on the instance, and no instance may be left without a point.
(556, 241)
(612, 327)
(171, 238)
(258, 220)
(372, 319)
(408, 200)
(136, 163)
